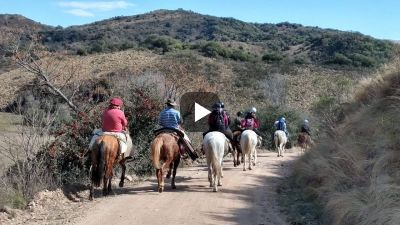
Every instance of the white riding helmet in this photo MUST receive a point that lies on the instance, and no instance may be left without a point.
(253, 110)
(305, 121)
(283, 118)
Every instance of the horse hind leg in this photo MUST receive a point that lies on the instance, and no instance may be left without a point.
(214, 183)
(160, 180)
(244, 162)
(176, 164)
(169, 171)
(91, 184)
(250, 162)
(123, 166)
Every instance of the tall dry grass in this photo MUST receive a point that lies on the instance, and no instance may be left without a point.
(353, 175)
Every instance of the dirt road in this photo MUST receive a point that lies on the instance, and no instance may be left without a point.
(246, 197)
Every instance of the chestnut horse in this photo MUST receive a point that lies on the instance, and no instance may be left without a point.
(105, 154)
(165, 148)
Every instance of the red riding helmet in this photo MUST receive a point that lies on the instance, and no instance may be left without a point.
(116, 102)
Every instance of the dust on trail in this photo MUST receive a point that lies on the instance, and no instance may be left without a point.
(246, 197)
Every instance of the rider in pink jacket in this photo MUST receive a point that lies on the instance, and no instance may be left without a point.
(113, 117)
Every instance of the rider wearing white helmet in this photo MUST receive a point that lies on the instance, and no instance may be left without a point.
(250, 121)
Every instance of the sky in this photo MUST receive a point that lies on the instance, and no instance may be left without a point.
(377, 18)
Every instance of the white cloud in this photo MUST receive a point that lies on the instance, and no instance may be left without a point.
(86, 9)
(102, 6)
(80, 12)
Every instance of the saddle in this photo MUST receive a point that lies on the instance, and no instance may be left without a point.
(184, 145)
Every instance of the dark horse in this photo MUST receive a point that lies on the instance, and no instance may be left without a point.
(237, 151)
(304, 141)
(105, 154)
(165, 148)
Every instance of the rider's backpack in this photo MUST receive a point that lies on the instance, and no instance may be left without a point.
(219, 121)
(280, 125)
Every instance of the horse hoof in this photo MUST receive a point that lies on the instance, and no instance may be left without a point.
(173, 187)
(219, 184)
(121, 184)
(244, 169)
(90, 198)
(215, 189)
(250, 168)
(160, 190)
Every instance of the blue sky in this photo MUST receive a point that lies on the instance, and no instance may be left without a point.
(378, 18)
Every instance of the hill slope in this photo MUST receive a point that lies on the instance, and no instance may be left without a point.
(187, 29)
(352, 177)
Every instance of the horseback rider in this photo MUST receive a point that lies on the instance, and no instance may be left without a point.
(115, 123)
(305, 127)
(170, 119)
(113, 118)
(250, 121)
(218, 120)
(280, 124)
(237, 121)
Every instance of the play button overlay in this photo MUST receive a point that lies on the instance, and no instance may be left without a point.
(200, 112)
(195, 108)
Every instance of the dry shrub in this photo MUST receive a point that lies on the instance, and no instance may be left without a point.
(351, 176)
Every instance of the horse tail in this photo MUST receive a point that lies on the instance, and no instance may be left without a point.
(247, 144)
(155, 152)
(98, 168)
(213, 151)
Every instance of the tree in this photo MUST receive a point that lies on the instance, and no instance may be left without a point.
(46, 68)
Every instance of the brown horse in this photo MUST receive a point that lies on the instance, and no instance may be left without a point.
(237, 151)
(165, 148)
(304, 141)
(105, 154)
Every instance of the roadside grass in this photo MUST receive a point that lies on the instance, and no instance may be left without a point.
(351, 176)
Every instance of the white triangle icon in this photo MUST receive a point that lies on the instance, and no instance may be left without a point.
(200, 112)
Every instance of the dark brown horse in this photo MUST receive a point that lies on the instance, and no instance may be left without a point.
(304, 141)
(105, 154)
(165, 149)
(237, 151)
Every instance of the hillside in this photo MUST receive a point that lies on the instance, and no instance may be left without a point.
(13, 28)
(307, 62)
(351, 176)
(189, 30)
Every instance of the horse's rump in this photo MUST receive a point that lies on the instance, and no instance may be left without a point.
(162, 145)
(304, 140)
(104, 153)
(248, 141)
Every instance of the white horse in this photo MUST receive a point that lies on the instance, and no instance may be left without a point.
(215, 144)
(248, 143)
(280, 141)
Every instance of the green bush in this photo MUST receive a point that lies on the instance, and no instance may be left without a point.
(341, 59)
(213, 49)
(162, 43)
(272, 57)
